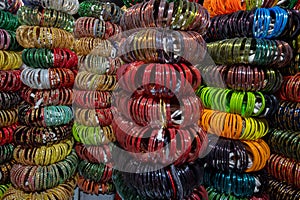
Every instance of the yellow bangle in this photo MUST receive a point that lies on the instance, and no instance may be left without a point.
(10, 60)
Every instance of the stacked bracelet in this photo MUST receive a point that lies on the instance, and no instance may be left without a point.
(95, 172)
(95, 188)
(10, 60)
(8, 21)
(6, 153)
(281, 190)
(8, 117)
(9, 100)
(95, 46)
(290, 89)
(92, 99)
(8, 40)
(3, 189)
(5, 172)
(11, 6)
(6, 134)
(10, 80)
(94, 154)
(94, 117)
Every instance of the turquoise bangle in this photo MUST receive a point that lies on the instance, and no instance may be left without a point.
(57, 115)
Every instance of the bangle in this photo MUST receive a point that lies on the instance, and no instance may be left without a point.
(90, 81)
(94, 117)
(6, 153)
(9, 100)
(92, 99)
(290, 89)
(8, 21)
(8, 40)
(95, 46)
(214, 194)
(38, 177)
(8, 117)
(3, 189)
(5, 169)
(10, 60)
(50, 97)
(6, 134)
(44, 116)
(279, 190)
(93, 135)
(43, 37)
(11, 6)
(41, 136)
(96, 172)
(50, 58)
(61, 192)
(94, 154)
(107, 11)
(44, 155)
(34, 16)
(10, 80)
(91, 187)
(52, 78)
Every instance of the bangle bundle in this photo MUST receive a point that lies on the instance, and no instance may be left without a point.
(285, 142)
(41, 136)
(6, 152)
(284, 169)
(61, 192)
(167, 14)
(233, 126)
(11, 6)
(43, 37)
(10, 60)
(287, 116)
(8, 21)
(50, 97)
(253, 51)
(8, 117)
(290, 88)
(6, 134)
(107, 11)
(10, 80)
(9, 100)
(3, 188)
(37, 178)
(44, 155)
(93, 135)
(49, 58)
(94, 117)
(161, 80)
(51, 78)
(246, 104)
(99, 64)
(8, 40)
(68, 6)
(90, 81)
(281, 190)
(95, 46)
(96, 28)
(5, 169)
(92, 99)
(163, 46)
(95, 172)
(92, 187)
(242, 77)
(35, 16)
(45, 116)
(214, 194)
(94, 154)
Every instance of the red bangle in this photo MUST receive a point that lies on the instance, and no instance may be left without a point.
(10, 80)
(92, 99)
(7, 133)
(94, 154)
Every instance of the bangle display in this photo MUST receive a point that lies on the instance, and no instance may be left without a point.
(95, 46)
(10, 60)
(9, 100)
(6, 134)
(8, 117)
(6, 152)
(41, 136)
(94, 154)
(8, 21)
(38, 177)
(92, 99)
(95, 188)
(10, 80)
(44, 37)
(8, 40)
(94, 117)
(11, 6)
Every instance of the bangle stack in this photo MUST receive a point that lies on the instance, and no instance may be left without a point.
(45, 160)
(10, 84)
(93, 94)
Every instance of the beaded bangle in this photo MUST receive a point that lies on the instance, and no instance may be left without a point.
(3, 189)
(10, 60)
(41, 136)
(9, 100)
(99, 65)
(37, 178)
(290, 89)
(61, 192)
(92, 99)
(285, 142)
(8, 21)
(250, 51)
(6, 153)
(6, 134)
(92, 187)
(8, 117)
(99, 173)
(11, 6)
(34, 16)
(44, 155)
(68, 6)
(50, 58)
(94, 117)
(106, 11)
(194, 16)
(95, 46)
(8, 40)
(88, 81)
(287, 116)
(233, 126)
(284, 169)
(280, 190)
(133, 139)
(43, 37)
(4, 171)
(156, 45)
(94, 27)
(45, 116)
(10, 80)
(94, 154)
(93, 135)
(52, 78)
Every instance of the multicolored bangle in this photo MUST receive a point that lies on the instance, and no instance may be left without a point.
(6, 152)
(95, 188)
(8, 41)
